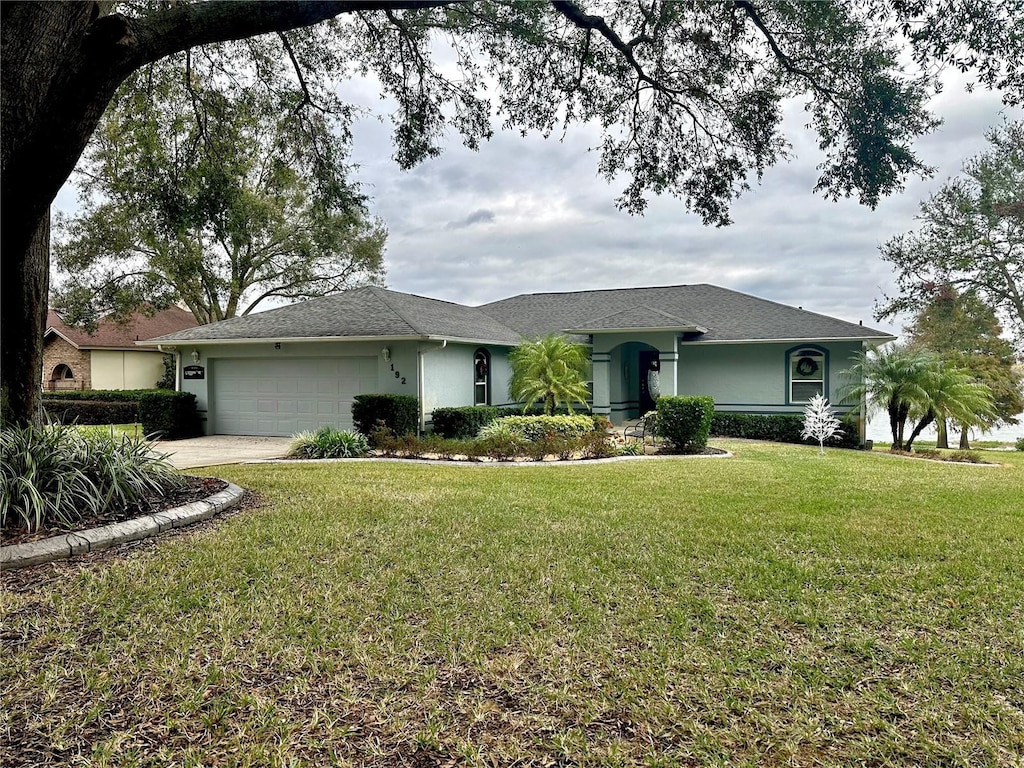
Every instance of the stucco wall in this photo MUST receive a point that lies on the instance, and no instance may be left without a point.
(752, 377)
(118, 369)
(56, 351)
(449, 375)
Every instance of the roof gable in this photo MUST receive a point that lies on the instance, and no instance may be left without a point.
(366, 312)
(638, 317)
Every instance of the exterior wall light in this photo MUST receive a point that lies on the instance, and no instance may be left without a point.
(195, 355)
(386, 354)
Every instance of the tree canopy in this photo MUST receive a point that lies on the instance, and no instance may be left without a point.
(216, 192)
(688, 95)
(965, 333)
(970, 237)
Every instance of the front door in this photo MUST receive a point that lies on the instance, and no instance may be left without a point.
(648, 369)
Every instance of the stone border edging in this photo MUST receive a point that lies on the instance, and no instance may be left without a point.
(66, 545)
(495, 463)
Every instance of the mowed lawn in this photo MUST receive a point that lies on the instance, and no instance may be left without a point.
(776, 608)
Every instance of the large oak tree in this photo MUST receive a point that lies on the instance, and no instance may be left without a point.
(969, 237)
(688, 94)
(215, 191)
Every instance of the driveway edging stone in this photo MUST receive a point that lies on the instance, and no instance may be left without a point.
(95, 539)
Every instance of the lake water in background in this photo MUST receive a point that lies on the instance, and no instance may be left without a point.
(878, 430)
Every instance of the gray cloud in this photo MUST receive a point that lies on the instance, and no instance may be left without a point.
(479, 216)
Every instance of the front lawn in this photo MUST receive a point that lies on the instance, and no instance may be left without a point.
(776, 608)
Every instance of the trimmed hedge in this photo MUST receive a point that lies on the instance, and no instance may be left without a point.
(172, 415)
(685, 422)
(160, 411)
(536, 428)
(778, 428)
(399, 414)
(463, 423)
(92, 411)
(108, 395)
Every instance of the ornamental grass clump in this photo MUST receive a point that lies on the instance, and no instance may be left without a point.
(328, 443)
(54, 477)
(820, 423)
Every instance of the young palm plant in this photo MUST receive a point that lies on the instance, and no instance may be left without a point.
(955, 395)
(550, 369)
(895, 380)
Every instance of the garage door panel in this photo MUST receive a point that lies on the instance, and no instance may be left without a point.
(281, 396)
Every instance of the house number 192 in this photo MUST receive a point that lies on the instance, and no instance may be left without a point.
(397, 374)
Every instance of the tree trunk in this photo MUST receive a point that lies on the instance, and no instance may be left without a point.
(894, 424)
(942, 439)
(927, 419)
(25, 282)
(36, 39)
(964, 438)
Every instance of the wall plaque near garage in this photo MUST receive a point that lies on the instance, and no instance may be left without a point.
(193, 372)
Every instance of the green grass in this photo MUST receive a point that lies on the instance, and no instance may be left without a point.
(114, 430)
(777, 608)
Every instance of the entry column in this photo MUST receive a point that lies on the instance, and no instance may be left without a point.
(669, 378)
(601, 368)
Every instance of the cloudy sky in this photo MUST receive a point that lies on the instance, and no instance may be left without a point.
(526, 215)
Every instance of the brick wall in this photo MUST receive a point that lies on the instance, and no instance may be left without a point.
(56, 351)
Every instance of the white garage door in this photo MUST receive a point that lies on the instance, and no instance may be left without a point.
(282, 396)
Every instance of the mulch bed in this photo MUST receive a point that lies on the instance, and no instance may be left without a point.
(194, 489)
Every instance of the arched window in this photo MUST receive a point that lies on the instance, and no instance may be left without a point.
(806, 373)
(62, 377)
(482, 377)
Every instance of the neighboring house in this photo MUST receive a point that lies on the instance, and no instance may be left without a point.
(108, 358)
(299, 367)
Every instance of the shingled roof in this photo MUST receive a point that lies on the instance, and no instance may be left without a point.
(727, 315)
(111, 334)
(360, 313)
(706, 313)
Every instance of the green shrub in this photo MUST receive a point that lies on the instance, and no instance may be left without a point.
(328, 443)
(91, 411)
(501, 447)
(1020, 443)
(928, 453)
(398, 414)
(778, 428)
(970, 457)
(170, 415)
(109, 395)
(55, 477)
(633, 448)
(462, 423)
(597, 445)
(534, 428)
(684, 422)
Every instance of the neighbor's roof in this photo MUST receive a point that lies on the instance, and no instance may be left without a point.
(359, 313)
(110, 333)
(706, 313)
(727, 315)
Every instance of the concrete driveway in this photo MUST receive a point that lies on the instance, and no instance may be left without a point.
(221, 449)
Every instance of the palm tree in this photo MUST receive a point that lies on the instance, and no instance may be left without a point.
(894, 380)
(954, 394)
(551, 369)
